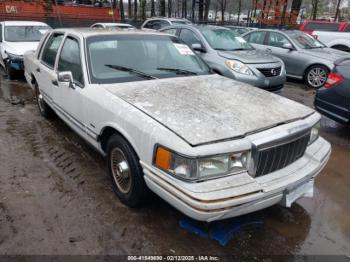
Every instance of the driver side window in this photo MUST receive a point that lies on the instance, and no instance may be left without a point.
(277, 40)
(70, 59)
(189, 37)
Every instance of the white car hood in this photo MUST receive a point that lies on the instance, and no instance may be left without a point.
(19, 48)
(211, 108)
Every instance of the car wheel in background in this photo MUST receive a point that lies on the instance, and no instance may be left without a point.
(341, 48)
(316, 76)
(126, 172)
(44, 109)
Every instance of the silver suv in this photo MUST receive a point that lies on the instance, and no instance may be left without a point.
(230, 55)
(156, 23)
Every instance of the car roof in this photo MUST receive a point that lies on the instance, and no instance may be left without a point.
(23, 23)
(113, 24)
(87, 32)
(167, 18)
(189, 26)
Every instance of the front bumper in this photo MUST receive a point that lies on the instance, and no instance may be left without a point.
(240, 194)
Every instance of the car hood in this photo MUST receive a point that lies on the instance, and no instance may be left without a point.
(326, 53)
(249, 56)
(19, 48)
(211, 108)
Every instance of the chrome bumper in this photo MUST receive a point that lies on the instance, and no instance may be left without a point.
(240, 194)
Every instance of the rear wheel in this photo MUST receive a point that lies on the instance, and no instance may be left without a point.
(126, 172)
(44, 109)
(316, 76)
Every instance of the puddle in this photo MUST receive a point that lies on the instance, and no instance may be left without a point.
(15, 91)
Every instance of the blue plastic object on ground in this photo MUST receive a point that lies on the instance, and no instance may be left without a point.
(221, 231)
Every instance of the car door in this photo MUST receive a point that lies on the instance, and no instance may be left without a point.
(45, 72)
(189, 38)
(69, 98)
(291, 58)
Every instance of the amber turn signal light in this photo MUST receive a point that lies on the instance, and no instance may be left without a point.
(163, 158)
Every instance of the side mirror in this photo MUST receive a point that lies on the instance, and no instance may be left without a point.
(288, 46)
(197, 47)
(66, 77)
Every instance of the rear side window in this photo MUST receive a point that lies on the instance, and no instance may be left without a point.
(70, 59)
(256, 37)
(315, 26)
(50, 50)
(189, 37)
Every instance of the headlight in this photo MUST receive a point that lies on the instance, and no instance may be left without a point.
(314, 133)
(14, 57)
(238, 67)
(199, 168)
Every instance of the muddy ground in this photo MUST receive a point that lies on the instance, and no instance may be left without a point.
(56, 198)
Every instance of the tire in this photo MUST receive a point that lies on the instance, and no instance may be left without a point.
(44, 109)
(316, 76)
(126, 172)
(341, 48)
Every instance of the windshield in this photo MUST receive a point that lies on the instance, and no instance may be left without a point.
(304, 41)
(225, 39)
(24, 33)
(125, 58)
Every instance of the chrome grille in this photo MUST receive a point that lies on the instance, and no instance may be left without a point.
(277, 157)
(270, 72)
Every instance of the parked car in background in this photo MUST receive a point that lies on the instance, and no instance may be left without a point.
(212, 147)
(230, 55)
(240, 29)
(316, 25)
(17, 37)
(336, 40)
(156, 23)
(304, 57)
(113, 26)
(333, 100)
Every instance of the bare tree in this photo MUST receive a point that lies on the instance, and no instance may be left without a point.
(239, 11)
(314, 9)
(153, 11)
(206, 10)
(337, 11)
(162, 7)
(295, 8)
(135, 10)
(222, 4)
(193, 9)
(129, 9)
(143, 9)
(200, 10)
(170, 7)
(121, 10)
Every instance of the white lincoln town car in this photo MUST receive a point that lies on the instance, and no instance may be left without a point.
(212, 147)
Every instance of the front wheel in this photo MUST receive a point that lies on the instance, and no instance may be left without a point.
(126, 172)
(44, 109)
(316, 76)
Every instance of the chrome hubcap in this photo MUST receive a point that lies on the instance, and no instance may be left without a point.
(120, 170)
(317, 77)
(40, 100)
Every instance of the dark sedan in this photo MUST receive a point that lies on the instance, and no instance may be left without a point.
(333, 100)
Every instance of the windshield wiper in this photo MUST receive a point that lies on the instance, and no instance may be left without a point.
(177, 71)
(131, 70)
